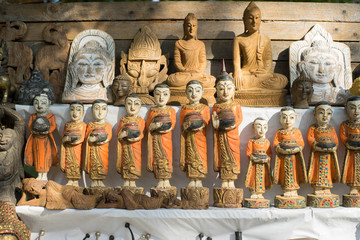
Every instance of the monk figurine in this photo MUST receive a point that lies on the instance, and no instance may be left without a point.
(323, 165)
(159, 125)
(71, 144)
(98, 135)
(190, 59)
(121, 87)
(226, 118)
(350, 136)
(40, 149)
(258, 176)
(130, 133)
(289, 169)
(194, 117)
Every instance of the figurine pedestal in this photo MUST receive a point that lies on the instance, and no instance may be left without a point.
(290, 202)
(256, 203)
(169, 194)
(195, 197)
(96, 191)
(261, 98)
(133, 190)
(228, 197)
(351, 200)
(178, 96)
(325, 201)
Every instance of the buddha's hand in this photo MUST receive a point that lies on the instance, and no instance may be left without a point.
(134, 139)
(237, 79)
(92, 139)
(122, 135)
(215, 120)
(348, 146)
(191, 70)
(66, 139)
(154, 125)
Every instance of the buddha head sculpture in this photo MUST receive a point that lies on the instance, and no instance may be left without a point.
(190, 27)
(121, 87)
(324, 63)
(144, 64)
(352, 108)
(252, 18)
(301, 93)
(90, 67)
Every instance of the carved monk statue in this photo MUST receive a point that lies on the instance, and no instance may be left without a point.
(255, 50)
(190, 57)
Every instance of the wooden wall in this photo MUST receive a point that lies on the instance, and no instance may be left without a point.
(219, 23)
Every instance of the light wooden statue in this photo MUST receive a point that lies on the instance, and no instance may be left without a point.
(252, 61)
(323, 165)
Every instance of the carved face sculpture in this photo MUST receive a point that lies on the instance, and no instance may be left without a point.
(121, 87)
(287, 118)
(260, 128)
(132, 106)
(41, 104)
(353, 110)
(99, 111)
(194, 92)
(190, 28)
(323, 114)
(144, 72)
(161, 96)
(252, 19)
(225, 90)
(76, 112)
(6, 139)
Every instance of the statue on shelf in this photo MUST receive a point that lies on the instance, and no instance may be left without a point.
(71, 144)
(289, 169)
(130, 134)
(12, 132)
(5, 85)
(226, 118)
(121, 87)
(258, 176)
(324, 63)
(143, 63)
(355, 88)
(41, 150)
(51, 59)
(323, 164)
(33, 193)
(90, 68)
(255, 50)
(301, 93)
(98, 135)
(350, 136)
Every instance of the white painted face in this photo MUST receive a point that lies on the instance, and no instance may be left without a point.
(99, 111)
(353, 110)
(321, 66)
(41, 104)
(252, 20)
(90, 68)
(225, 90)
(76, 112)
(323, 114)
(191, 27)
(161, 96)
(260, 128)
(287, 119)
(194, 92)
(132, 106)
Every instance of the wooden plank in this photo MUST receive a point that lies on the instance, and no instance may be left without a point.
(178, 10)
(207, 29)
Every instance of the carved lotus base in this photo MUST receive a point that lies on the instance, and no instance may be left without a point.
(195, 197)
(96, 191)
(256, 203)
(290, 202)
(169, 194)
(178, 96)
(228, 197)
(261, 98)
(133, 190)
(323, 201)
(351, 200)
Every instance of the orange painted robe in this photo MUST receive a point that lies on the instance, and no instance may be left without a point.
(71, 152)
(193, 158)
(41, 150)
(351, 171)
(160, 146)
(96, 156)
(128, 162)
(258, 176)
(289, 169)
(323, 166)
(227, 145)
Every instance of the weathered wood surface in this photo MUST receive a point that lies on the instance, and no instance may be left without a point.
(118, 11)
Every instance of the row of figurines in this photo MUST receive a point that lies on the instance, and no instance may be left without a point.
(289, 170)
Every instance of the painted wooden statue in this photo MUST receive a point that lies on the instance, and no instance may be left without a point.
(289, 170)
(323, 165)
(72, 144)
(258, 176)
(41, 150)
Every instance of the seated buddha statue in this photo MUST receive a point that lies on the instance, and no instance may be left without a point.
(190, 57)
(255, 50)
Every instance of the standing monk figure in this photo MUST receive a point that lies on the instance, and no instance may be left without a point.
(41, 150)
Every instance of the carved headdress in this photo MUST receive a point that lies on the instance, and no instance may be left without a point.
(251, 7)
(145, 46)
